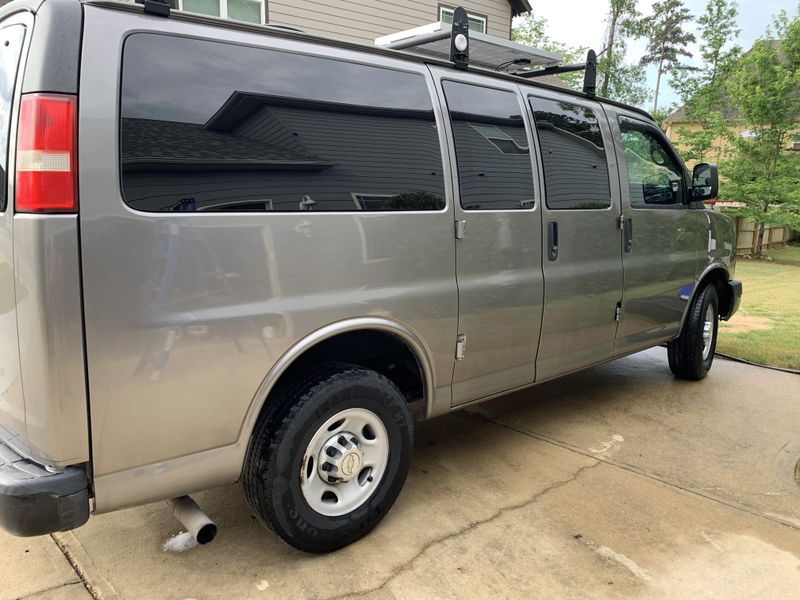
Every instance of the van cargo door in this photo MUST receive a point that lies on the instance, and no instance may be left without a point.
(498, 255)
(12, 404)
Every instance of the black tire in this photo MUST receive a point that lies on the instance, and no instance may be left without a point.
(685, 353)
(275, 457)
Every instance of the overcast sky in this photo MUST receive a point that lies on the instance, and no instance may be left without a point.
(582, 23)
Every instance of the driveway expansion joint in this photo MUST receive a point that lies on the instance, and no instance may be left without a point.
(406, 566)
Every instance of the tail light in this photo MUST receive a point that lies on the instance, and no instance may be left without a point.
(46, 154)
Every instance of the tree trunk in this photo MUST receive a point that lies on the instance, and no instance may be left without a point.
(658, 85)
(612, 30)
(759, 242)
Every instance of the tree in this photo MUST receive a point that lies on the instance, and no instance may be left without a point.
(702, 89)
(530, 30)
(666, 38)
(762, 175)
(620, 81)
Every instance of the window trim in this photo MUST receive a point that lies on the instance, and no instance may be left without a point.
(670, 149)
(223, 11)
(540, 158)
(442, 8)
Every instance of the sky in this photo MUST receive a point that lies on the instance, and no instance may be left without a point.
(589, 29)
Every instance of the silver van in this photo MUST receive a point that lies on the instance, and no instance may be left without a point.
(242, 253)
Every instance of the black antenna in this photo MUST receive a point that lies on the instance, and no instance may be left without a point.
(459, 39)
(590, 75)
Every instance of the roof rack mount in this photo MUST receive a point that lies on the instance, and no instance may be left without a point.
(464, 48)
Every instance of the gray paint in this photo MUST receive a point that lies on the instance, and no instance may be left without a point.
(178, 373)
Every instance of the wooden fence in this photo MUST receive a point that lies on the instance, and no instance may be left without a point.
(747, 236)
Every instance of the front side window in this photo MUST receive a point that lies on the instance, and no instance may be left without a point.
(494, 163)
(476, 22)
(10, 48)
(250, 11)
(210, 126)
(573, 155)
(654, 176)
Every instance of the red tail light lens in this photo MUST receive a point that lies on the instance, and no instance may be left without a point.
(46, 154)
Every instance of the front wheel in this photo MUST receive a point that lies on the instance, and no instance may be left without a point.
(326, 465)
(692, 353)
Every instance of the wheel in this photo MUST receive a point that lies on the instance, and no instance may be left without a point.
(327, 462)
(692, 352)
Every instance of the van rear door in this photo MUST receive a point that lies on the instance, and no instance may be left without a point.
(12, 405)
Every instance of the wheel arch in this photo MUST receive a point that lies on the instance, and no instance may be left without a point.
(716, 274)
(293, 358)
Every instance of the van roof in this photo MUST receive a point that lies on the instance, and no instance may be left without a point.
(289, 33)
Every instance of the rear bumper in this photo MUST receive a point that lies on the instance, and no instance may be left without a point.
(734, 299)
(35, 501)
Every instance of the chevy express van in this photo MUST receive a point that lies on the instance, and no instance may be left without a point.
(232, 252)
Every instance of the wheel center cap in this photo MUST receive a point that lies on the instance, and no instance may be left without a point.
(340, 459)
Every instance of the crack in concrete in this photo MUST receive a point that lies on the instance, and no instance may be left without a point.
(40, 593)
(746, 508)
(407, 565)
(80, 570)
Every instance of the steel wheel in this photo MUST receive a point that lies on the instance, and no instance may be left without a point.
(709, 325)
(344, 462)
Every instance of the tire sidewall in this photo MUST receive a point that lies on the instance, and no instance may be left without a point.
(709, 298)
(293, 513)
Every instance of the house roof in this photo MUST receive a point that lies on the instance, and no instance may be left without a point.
(148, 143)
(519, 6)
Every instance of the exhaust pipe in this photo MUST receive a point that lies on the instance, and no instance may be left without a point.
(195, 521)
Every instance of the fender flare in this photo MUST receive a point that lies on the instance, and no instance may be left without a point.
(700, 283)
(406, 334)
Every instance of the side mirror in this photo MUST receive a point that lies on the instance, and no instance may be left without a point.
(705, 182)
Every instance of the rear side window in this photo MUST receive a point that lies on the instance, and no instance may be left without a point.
(573, 155)
(210, 126)
(11, 39)
(494, 163)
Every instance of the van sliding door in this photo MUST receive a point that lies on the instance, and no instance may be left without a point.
(583, 254)
(498, 253)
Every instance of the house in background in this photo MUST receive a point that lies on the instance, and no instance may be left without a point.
(360, 20)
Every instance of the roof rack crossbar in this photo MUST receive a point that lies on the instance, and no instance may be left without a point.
(589, 69)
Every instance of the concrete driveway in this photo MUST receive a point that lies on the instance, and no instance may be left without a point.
(616, 482)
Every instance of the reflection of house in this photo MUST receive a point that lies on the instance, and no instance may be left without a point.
(282, 154)
(361, 20)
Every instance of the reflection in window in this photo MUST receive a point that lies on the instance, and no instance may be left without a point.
(279, 132)
(573, 156)
(494, 165)
(10, 48)
(654, 179)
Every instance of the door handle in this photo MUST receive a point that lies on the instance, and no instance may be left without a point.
(552, 241)
(627, 231)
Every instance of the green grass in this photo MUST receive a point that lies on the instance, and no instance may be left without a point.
(790, 255)
(766, 329)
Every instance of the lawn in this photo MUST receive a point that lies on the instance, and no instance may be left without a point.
(767, 327)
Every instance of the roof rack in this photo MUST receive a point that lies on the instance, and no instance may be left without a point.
(464, 48)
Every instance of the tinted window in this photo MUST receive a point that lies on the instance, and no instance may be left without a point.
(573, 156)
(208, 126)
(10, 49)
(494, 165)
(654, 177)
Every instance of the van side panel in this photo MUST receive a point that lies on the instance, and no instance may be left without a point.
(187, 311)
(50, 328)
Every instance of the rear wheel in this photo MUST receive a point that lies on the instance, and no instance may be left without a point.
(328, 461)
(692, 353)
